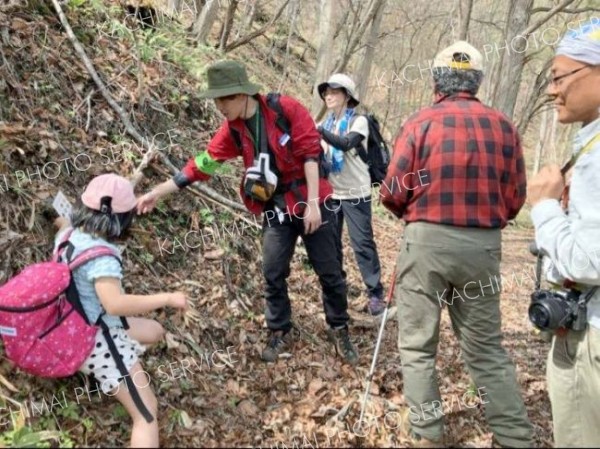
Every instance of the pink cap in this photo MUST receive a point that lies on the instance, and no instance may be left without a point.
(119, 189)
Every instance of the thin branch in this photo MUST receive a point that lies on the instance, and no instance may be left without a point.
(259, 32)
(558, 8)
(489, 23)
(212, 200)
(143, 141)
(568, 11)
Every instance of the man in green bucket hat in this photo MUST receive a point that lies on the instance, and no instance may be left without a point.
(284, 180)
(228, 78)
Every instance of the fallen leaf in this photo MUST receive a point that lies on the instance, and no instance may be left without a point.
(232, 387)
(19, 24)
(171, 341)
(185, 420)
(314, 386)
(214, 255)
(248, 408)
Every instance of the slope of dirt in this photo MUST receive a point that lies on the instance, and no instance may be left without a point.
(213, 390)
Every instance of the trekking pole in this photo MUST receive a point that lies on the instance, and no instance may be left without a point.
(372, 370)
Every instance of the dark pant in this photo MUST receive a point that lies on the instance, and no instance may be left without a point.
(279, 242)
(358, 215)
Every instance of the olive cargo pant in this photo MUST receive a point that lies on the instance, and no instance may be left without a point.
(458, 268)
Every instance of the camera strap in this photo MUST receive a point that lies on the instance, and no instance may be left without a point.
(589, 294)
(586, 149)
(538, 271)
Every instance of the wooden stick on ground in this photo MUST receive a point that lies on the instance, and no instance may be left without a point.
(226, 206)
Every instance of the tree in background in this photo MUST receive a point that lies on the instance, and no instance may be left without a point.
(387, 46)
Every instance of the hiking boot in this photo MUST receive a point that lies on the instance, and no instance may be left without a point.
(375, 306)
(343, 346)
(495, 443)
(422, 442)
(279, 342)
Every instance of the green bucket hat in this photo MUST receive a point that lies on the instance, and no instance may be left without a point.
(228, 78)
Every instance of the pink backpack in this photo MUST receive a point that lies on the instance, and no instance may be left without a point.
(42, 323)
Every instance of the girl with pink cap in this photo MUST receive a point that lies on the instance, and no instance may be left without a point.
(103, 216)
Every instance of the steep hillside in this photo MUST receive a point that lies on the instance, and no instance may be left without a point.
(57, 131)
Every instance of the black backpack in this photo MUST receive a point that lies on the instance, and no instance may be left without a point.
(377, 156)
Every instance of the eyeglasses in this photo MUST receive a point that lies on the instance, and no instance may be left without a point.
(555, 81)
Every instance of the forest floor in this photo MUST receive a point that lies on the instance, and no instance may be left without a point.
(213, 389)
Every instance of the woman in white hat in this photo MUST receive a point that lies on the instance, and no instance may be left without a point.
(345, 135)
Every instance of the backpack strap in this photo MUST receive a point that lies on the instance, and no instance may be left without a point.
(85, 257)
(66, 247)
(135, 395)
(360, 149)
(64, 242)
(90, 254)
(282, 122)
(237, 139)
(74, 299)
(273, 102)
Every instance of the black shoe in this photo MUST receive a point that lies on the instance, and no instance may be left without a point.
(343, 346)
(279, 341)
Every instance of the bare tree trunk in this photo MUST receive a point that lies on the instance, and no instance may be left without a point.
(342, 63)
(533, 105)
(364, 71)
(465, 19)
(294, 12)
(342, 23)
(248, 37)
(516, 35)
(228, 24)
(205, 20)
(513, 59)
(248, 18)
(489, 81)
(318, 108)
(542, 141)
(324, 53)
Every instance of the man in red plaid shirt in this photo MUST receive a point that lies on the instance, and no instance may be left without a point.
(456, 177)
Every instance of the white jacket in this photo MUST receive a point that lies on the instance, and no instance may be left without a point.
(572, 242)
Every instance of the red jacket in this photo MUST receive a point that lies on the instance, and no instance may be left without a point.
(457, 163)
(305, 145)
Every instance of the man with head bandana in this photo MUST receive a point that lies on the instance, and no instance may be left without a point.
(570, 238)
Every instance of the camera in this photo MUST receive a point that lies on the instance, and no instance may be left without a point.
(258, 189)
(260, 181)
(550, 310)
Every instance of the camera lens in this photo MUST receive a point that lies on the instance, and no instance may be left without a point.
(539, 315)
(549, 313)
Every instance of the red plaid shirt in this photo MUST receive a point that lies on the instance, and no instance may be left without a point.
(457, 163)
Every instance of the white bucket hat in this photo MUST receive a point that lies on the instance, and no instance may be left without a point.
(337, 81)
